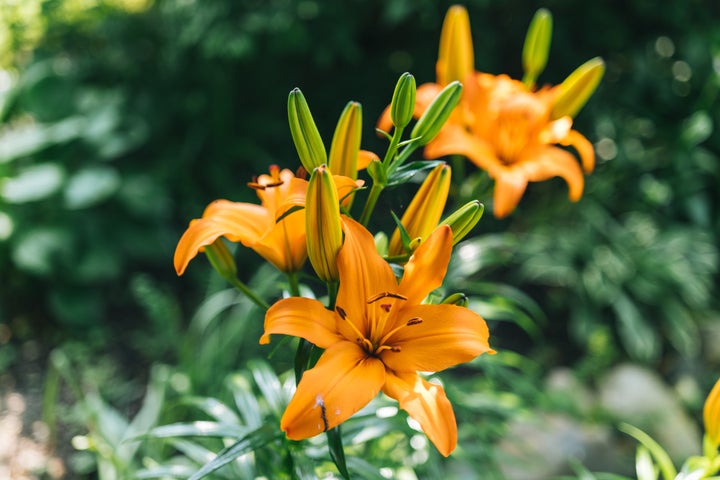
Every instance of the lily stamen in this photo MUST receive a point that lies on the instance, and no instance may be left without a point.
(367, 344)
(382, 295)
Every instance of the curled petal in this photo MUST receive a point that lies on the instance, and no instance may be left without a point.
(301, 317)
(364, 159)
(584, 148)
(242, 222)
(548, 162)
(445, 336)
(344, 380)
(426, 269)
(428, 405)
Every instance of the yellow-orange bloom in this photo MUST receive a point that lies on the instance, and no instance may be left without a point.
(282, 243)
(711, 415)
(377, 339)
(503, 127)
(507, 131)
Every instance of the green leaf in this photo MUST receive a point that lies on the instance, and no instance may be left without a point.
(337, 451)
(91, 186)
(405, 172)
(661, 457)
(176, 471)
(245, 400)
(33, 183)
(640, 339)
(197, 429)
(269, 384)
(254, 440)
(214, 408)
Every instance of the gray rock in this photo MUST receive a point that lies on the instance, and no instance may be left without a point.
(640, 397)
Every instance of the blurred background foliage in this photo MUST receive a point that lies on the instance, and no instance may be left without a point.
(122, 119)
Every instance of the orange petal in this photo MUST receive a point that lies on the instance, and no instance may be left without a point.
(455, 140)
(292, 195)
(548, 162)
(363, 274)
(301, 317)
(584, 148)
(344, 380)
(509, 188)
(242, 222)
(428, 405)
(445, 336)
(426, 269)
(364, 159)
(285, 244)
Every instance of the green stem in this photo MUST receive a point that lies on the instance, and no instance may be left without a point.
(293, 284)
(370, 203)
(249, 293)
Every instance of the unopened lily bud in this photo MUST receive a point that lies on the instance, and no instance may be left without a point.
(322, 220)
(377, 172)
(711, 417)
(455, 58)
(576, 89)
(437, 113)
(464, 219)
(537, 46)
(425, 209)
(346, 142)
(459, 299)
(305, 134)
(403, 101)
(221, 259)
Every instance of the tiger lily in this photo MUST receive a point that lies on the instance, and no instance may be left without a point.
(282, 243)
(377, 338)
(505, 127)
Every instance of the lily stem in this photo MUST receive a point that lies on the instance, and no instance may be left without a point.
(249, 293)
(370, 203)
(293, 284)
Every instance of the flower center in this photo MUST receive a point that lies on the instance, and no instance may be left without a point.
(377, 341)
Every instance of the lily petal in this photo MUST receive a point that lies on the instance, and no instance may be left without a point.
(455, 140)
(426, 269)
(244, 222)
(363, 274)
(301, 317)
(444, 336)
(584, 148)
(548, 162)
(509, 188)
(284, 246)
(428, 405)
(344, 380)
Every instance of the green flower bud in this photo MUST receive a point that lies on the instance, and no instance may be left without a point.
(576, 89)
(537, 46)
(459, 299)
(403, 101)
(377, 172)
(346, 142)
(425, 209)
(221, 259)
(322, 224)
(462, 220)
(305, 134)
(437, 113)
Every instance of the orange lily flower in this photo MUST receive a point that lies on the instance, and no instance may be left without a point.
(508, 131)
(377, 339)
(281, 243)
(502, 126)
